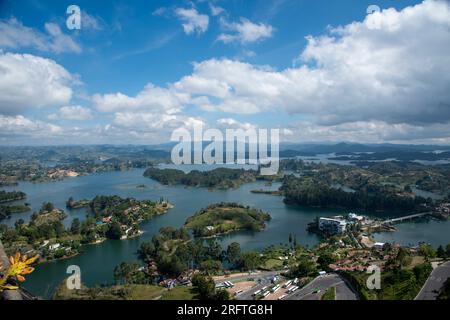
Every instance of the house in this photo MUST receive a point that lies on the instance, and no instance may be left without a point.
(332, 225)
(355, 218)
(54, 246)
(379, 245)
(106, 219)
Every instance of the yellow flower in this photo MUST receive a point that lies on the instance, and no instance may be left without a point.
(20, 266)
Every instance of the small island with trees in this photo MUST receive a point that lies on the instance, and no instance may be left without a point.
(109, 217)
(223, 218)
(220, 178)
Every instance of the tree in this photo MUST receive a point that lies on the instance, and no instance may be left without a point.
(325, 259)
(250, 260)
(47, 207)
(305, 268)
(114, 231)
(441, 252)
(211, 267)
(127, 273)
(75, 228)
(234, 254)
(403, 257)
(427, 251)
(447, 250)
(205, 288)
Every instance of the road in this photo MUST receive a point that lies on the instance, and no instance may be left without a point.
(343, 291)
(434, 283)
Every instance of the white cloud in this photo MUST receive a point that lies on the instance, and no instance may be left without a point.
(230, 123)
(216, 10)
(151, 98)
(397, 73)
(78, 113)
(370, 132)
(28, 81)
(245, 31)
(14, 35)
(21, 126)
(91, 22)
(192, 20)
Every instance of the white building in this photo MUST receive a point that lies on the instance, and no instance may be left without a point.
(379, 245)
(355, 217)
(332, 225)
(55, 246)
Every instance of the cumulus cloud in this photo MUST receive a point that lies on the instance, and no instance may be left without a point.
(28, 81)
(13, 126)
(151, 98)
(398, 72)
(77, 113)
(369, 132)
(192, 20)
(14, 35)
(244, 31)
(230, 123)
(216, 10)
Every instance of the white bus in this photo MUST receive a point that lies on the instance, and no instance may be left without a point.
(293, 288)
(257, 292)
(265, 294)
(282, 297)
(287, 284)
(274, 289)
(295, 281)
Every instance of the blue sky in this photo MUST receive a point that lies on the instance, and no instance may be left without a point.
(231, 63)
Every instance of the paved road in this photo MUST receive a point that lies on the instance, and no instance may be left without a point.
(433, 285)
(343, 291)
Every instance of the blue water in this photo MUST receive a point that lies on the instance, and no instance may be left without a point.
(97, 262)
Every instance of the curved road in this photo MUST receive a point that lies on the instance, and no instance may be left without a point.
(434, 283)
(323, 283)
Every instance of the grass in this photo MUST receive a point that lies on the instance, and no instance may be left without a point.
(330, 294)
(144, 292)
(178, 293)
(226, 219)
(272, 264)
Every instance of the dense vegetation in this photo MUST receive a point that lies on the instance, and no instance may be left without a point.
(217, 178)
(110, 217)
(310, 192)
(11, 196)
(222, 218)
(174, 252)
(7, 210)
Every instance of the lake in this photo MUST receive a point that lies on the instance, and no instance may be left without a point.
(97, 262)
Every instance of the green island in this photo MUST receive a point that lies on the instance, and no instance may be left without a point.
(109, 217)
(11, 196)
(220, 178)
(7, 210)
(223, 218)
(72, 204)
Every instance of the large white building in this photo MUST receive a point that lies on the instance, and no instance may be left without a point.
(332, 225)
